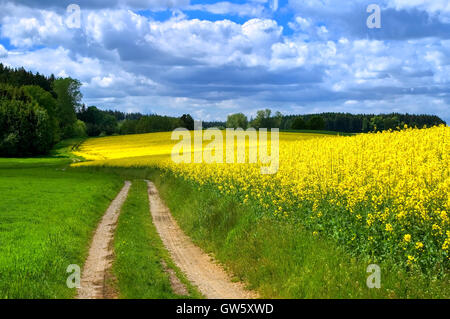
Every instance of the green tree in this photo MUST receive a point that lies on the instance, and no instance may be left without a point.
(187, 122)
(377, 123)
(277, 120)
(299, 124)
(68, 102)
(262, 119)
(98, 122)
(80, 129)
(316, 123)
(24, 129)
(128, 127)
(238, 120)
(45, 100)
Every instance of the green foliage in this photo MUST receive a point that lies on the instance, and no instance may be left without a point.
(343, 122)
(37, 111)
(128, 127)
(150, 124)
(262, 120)
(299, 124)
(68, 102)
(31, 119)
(187, 122)
(156, 123)
(80, 129)
(20, 77)
(214, 124)
(25, 127)
(45, 100)
(9, 92)
(362, 123)
(316, 123)
(238, 120)
(98, 121)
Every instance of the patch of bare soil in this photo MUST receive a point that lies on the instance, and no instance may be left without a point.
(96, 275)
(177, 286)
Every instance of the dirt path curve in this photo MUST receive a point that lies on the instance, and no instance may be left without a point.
(212, 281)
(95, 269)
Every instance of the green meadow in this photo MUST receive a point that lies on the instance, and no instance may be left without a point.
(48, 214)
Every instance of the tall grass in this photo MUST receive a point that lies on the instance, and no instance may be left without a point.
(280, 258)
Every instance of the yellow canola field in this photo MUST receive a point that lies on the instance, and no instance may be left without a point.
(385, 195)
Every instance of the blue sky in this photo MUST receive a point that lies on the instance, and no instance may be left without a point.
(212, 58)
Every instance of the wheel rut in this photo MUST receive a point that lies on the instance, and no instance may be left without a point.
(95, 273)
(200, 268)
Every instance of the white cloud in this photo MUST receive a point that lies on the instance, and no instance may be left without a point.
(3, 52)
(211, 68)
(56, 61)
(300, 24)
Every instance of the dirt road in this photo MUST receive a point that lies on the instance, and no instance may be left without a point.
(95, 271)
(212, 281)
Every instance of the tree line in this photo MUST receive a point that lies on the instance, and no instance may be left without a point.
(101, 123)
(339, 122)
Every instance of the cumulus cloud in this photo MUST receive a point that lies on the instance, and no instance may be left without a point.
(3, 52)
(322, 59)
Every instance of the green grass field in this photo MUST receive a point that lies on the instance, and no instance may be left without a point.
(47, 217)
(48, 213)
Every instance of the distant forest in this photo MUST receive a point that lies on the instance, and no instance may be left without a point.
(338, 122)
(37, 111)
(359, 123)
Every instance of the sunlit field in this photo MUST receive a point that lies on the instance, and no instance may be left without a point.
(47, 216)
(383, 195)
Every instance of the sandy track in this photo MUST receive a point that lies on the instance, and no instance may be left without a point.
(212, 281)
(95, 271)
